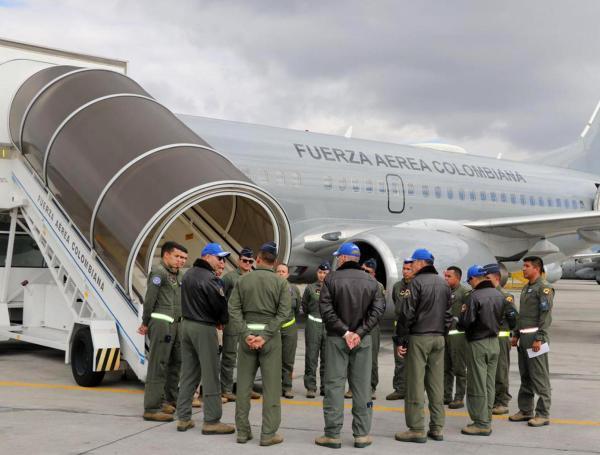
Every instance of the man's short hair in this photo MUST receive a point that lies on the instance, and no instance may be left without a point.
(285, 265)
(536, 261)
(169, 246)
(456, 270)
(267, 257)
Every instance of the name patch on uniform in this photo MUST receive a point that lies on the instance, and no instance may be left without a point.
(156, 280)
(546, 291)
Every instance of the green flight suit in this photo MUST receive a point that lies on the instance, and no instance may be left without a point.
(535, 310)
(259, 305)
(230, 337)
(482, 358)
(503, 396)
(314, 336)
(455, 355)
(289, 339)
(162, 301)
(399, 295)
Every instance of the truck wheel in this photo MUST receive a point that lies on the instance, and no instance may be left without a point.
(82, 360)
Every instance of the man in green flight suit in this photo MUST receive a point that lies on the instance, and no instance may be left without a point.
(455, 355)
(230, 337)
(314, 333)
(289, 335)
(481, 317)
(370, 266)
(259, 305)
(502, 388)
(535, 318)
(399, 295)
(160, 321)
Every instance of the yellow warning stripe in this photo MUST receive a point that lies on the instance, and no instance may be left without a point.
(108, 359)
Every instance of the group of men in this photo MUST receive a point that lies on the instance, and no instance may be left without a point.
(444, 332)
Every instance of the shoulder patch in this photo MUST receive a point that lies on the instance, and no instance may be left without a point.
(156, 280)
(221, 291)
(546, 291)
(510, 298)
(463, 308)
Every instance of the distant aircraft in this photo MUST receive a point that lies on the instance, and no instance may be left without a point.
(585, 266)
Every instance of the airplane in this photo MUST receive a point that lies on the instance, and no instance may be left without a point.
(584, 266)
(95, 174)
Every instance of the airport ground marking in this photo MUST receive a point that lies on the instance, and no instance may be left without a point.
(304, 403)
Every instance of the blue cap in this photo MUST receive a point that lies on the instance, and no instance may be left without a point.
(247, 252)
(491, 268)
(475, 271)
(371, 263)
(214, 249)
(421, 254)
(324, 266)
(348, 249)
(269, 247)
(408, 260)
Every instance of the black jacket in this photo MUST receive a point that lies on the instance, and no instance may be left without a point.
(426, 308)
(350, 300)
(202, 296)
(484, 312)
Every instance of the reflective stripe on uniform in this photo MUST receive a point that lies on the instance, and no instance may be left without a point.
(504, 333)
(257, 326)
(529, 330)
(312, 318)
(289, 323)
(162, 317)
(455, 332)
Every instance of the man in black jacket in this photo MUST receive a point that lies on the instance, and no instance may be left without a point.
(481, 317)
(351, 306)
(424, 319)
(203, 307)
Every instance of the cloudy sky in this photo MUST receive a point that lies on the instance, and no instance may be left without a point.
(514, 77)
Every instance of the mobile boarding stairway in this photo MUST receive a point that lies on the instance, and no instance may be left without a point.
(99, 174)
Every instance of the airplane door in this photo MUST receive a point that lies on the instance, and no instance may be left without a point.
(395, 191)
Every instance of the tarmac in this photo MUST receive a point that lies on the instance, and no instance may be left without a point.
(42, 410)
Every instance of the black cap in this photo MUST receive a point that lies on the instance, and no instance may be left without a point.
(324, 266)
(491, 268)
(269, 247)
(371, 263)
(247, 252)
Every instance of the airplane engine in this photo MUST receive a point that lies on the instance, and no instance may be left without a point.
(553, 272)
(392, 245)
(128, 173)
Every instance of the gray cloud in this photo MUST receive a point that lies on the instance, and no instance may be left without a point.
(512, 77)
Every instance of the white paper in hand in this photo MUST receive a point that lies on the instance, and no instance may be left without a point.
(543, 350)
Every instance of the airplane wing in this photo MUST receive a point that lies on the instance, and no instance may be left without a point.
(587, 256)
(539, 225)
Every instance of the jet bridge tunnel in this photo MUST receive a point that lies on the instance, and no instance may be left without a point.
(130, 175)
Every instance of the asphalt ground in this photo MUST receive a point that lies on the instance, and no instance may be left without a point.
(43, 411)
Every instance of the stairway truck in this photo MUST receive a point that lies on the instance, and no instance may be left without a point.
(98, 174)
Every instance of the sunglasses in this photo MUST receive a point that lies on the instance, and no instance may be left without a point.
(221, 259)
(248, 261)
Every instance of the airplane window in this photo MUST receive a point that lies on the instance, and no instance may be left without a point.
(328, 183)
(483, 195)
(381, 187)
(411, 189)
(461, 194)
(395, 189)
(513, 198)
(450, 193)
(559, 202)
(278, 177)
(355, 185)
(472, 195)
(503, 197)
(541, 201)
(369, 186)
(342, 184)
(295, 179)
(566, 203)
(574, 204)
(493, 196)
(438, 192)
(550, 202)
(523, 200)
(531, 200)
(425, 190)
